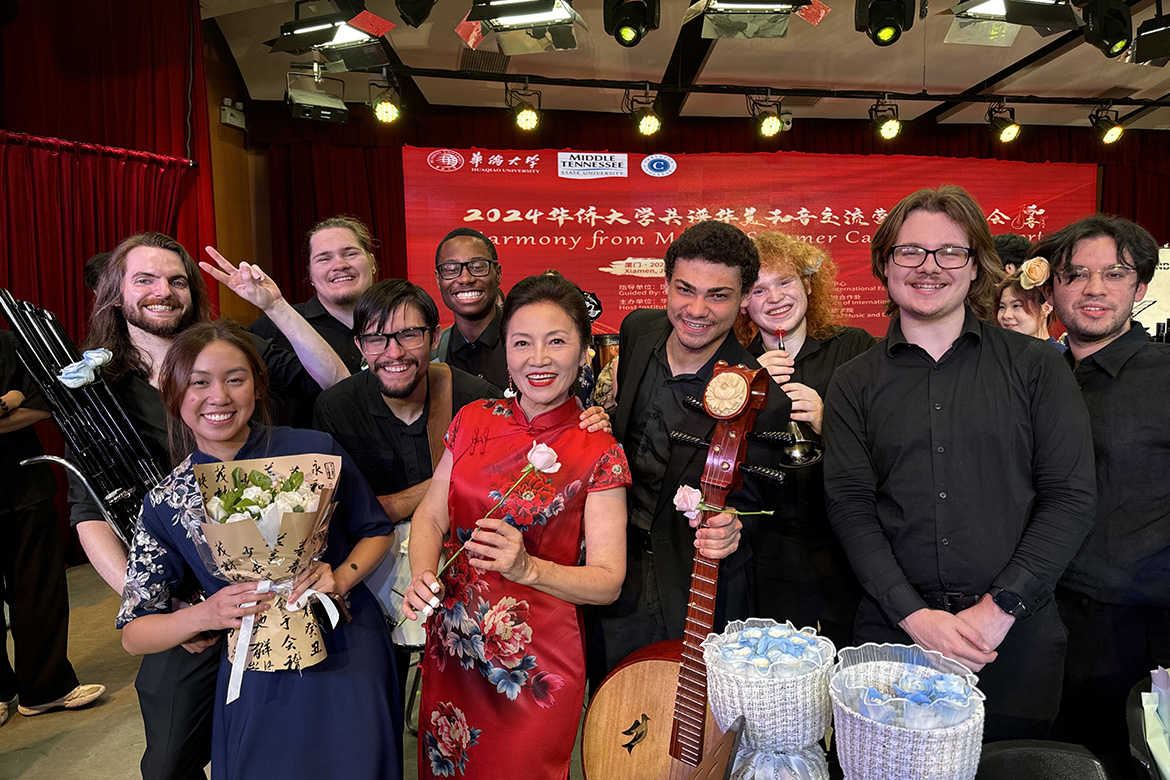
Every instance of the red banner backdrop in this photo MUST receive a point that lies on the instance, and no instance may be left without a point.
(605, 220)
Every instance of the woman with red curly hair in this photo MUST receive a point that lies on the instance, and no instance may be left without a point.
(801, 572)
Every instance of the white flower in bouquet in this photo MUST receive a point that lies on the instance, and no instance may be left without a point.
(258, 494)
(215, 509)
(238, 517)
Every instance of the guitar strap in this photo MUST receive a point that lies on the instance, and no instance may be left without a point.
(440, 411)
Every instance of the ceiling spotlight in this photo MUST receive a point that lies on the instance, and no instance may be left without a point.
(502, 15)
(524, 105)
(387, 103)
(883, 21)
(643, 110)
(1105, 123)
(1153, 40)
(883, 117)
(1046, 17)
(766, 112)
(1002, 121)
(628, 21)
(1109, 26)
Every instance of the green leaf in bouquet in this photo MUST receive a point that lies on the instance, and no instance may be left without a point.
(238, 478)
(260, 480)
(295, 480)
(230, 499)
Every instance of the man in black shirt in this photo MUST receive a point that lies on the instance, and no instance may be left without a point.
(32, 569)
(665, 357)
(467, 271)
(1115, 596)
(958, 471)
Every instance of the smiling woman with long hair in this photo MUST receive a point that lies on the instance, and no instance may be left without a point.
(285, 723)
(504, 667)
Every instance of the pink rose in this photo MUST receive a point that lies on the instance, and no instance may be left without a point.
(451, 730)
(505, 633)
(543, 458)
(687, 500)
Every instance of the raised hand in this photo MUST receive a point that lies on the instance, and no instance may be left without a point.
(778, 364)
(246, 280)
(807, 406)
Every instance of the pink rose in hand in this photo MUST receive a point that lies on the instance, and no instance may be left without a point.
(543, 458)
(688, 500)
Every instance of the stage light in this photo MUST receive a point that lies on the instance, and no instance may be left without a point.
(502, 15)
(1105, 123)
(316, 103)
(767, 115)
(414, 12)
(1153, 41)
(524, 105)
(769, 124)
(883, 21)
(387, 104)
(1109, 26)
(1002, 121)
(628, 21)
(647, 121)
(883, 117)
(1047, 17)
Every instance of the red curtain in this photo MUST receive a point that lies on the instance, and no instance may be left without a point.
(319, 169)
(119, 74)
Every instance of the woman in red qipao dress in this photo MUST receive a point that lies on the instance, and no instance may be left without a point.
(504, 668)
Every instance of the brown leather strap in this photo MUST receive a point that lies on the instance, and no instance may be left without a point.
(440, 411)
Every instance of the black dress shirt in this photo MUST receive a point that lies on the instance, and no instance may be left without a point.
(1126, 557)
(23, 485)
(335, 332)
(957, 475)
(392, 455)
(484, 357)
(658, 405)
(818, 358)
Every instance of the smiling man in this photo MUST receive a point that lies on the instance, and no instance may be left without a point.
(468, 273)
(665, 357)
(1115, 596)
(958, 467)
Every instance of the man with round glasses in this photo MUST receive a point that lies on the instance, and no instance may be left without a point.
(1115, 596)
(958, 467)
(467, 271)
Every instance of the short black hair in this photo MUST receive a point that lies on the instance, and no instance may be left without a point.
(1131, 239)
(93, 270)
(384, 298)
(556, 290)
(472, 233)
(1012, 249)
(717, 242)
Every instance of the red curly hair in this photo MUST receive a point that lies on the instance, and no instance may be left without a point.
(788, 255)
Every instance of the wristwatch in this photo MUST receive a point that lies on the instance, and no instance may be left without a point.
(1008, 601)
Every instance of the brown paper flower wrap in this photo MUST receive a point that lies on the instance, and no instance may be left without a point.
(281, 639)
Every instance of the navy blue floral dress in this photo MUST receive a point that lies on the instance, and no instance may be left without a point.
(338, 716)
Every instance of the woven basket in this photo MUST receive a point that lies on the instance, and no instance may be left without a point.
(868, 750)
(780, 716)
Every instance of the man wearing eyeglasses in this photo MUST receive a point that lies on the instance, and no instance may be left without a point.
(958, 467)
(1115, 596)
(467, 271)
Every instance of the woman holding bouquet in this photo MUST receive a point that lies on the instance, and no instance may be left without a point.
(790, 322)
(530, 511)
(285, 724)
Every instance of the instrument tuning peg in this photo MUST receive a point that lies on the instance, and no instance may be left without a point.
(764, 472)
(694, 404)
(779, 438)
(678, 437)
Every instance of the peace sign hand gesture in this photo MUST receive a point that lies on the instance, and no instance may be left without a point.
(247, 281)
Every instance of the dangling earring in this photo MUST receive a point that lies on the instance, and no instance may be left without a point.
(510, 392)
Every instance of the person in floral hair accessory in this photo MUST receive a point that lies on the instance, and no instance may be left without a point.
(1023, 301)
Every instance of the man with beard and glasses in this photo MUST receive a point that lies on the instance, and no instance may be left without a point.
(958, 467)
(150, 289)
(665, 357)
(392, 418)
(467, 271)
(1115, 595)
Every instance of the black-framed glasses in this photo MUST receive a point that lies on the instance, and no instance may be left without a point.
(1077, 276)
(407, 338)
(454, 270)
(910, 256)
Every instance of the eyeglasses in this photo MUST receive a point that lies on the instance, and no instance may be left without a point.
(454, 270)
(407, 338)
(1076, 276)
(910, 256)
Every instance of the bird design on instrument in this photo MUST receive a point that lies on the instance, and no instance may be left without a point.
(637, 731)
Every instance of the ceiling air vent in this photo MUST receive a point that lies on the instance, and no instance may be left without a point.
(481, 61)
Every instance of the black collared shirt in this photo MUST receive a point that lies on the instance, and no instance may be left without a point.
(335, 332)
(484, 357)
(1126, 557)
(23, 485)
(957, 475)
(392, 455)
(658, 402)
(819, 358)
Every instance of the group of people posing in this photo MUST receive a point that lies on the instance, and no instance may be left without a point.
(982, 494)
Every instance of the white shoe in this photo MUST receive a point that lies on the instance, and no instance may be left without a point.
(6, 710)
(78, 697)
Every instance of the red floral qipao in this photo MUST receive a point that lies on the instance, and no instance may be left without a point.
(504, 668)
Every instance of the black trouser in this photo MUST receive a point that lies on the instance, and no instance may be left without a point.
(1022, 684)
(1110, 648)
(32, 582)
(176, 693)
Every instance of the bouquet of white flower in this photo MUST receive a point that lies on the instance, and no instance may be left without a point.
(258, 497)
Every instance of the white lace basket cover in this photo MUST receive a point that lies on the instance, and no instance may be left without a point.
(869, 750)
(780, 715)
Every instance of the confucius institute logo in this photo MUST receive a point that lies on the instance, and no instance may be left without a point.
(445, 160)
(659, 165)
